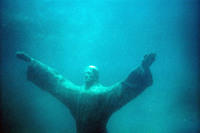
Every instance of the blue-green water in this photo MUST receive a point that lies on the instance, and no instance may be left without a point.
(114, 35)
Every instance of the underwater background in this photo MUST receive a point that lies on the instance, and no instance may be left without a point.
(114, 35)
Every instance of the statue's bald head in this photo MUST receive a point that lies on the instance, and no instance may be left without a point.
(91, 75)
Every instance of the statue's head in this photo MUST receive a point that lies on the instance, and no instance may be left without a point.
(91, 75)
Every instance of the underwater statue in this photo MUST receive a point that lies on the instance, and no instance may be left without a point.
(92, 104)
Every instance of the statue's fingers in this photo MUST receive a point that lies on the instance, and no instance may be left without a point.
(152, 56)
(23, 56)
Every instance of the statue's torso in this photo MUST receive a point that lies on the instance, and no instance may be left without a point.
(91, 110)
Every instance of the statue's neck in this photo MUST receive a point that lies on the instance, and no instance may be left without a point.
(88, 85)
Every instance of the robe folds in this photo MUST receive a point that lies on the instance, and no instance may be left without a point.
(90, 108)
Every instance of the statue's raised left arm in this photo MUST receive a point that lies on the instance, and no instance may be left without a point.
(139, 79)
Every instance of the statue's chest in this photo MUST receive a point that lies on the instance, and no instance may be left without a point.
(90, 105)
(89, 102)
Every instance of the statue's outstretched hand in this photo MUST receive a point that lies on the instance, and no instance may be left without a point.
(148, 60)
(23, 56)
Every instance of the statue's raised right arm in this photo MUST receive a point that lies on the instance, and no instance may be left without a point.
(49, 80)
(136, 82)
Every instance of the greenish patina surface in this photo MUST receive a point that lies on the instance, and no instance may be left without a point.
(90, 106)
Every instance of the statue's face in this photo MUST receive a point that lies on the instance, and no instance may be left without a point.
(91, 74)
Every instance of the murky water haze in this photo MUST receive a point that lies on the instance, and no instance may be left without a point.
(113, 35)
